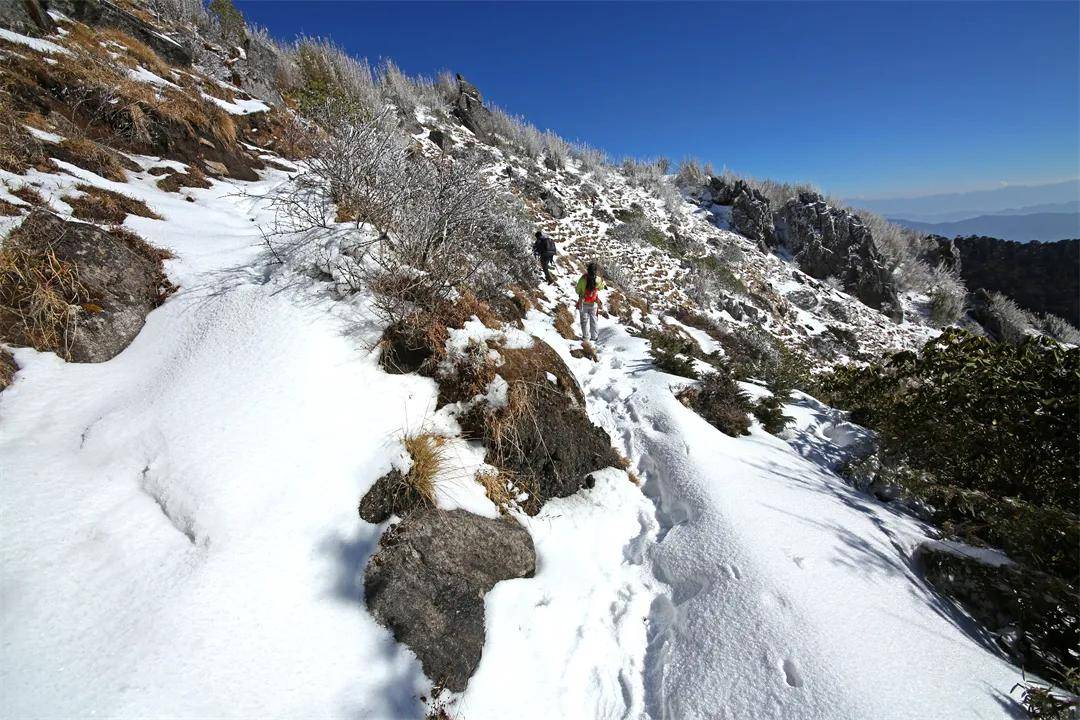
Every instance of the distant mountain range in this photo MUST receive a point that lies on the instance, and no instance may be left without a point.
(1008, 200)
(1041, 226)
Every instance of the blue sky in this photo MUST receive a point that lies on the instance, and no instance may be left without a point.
(865, 99)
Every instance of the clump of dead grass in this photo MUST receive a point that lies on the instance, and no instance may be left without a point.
(28, 194)
(40, 296)
(89, 155)
(101, 205)
(469, 375)
(8, 368)
(9, 209)
(564, 322)
(193, 178)
(428, 460)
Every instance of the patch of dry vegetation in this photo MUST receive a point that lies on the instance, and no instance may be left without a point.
(89, 155)
(8, 368)
(564, 322)
(428, 459)
(28, 194)
(193, 178)
(102, 205)
(40, 295)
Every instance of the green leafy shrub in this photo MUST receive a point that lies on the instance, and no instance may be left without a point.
(754, 353)
(721, 402)
(984, 433)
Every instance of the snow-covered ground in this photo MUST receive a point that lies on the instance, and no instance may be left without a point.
(181, 538)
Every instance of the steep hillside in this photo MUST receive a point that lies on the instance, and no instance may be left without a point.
(291, 426)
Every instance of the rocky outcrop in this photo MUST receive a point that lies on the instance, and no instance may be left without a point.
(940, 251)
(750, 213)
(1041, 277)
(102, 13)
(28, 17)
(428, 579)
(468, 108)
(549, 201)
(121, 279)
(830, 242)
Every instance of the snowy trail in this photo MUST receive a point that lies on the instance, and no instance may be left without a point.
(179, 522)
(780, 592)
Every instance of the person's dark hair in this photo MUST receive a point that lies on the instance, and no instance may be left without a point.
(590, 277)
(539, 234)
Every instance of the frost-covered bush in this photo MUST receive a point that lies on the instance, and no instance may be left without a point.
(407, 93)
(643, 174)
(1011, 321)
(180, 11)
(691, 176)
(416, 229)
(592, 160)
(1060, 329)
(556, 151)
(320, 72)
(769, 411)
(947, 298)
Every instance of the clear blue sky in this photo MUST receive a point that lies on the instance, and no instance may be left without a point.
(865, 99)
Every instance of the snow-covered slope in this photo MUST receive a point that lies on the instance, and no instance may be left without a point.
(181, 536)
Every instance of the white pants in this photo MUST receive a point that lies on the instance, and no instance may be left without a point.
(588, 321)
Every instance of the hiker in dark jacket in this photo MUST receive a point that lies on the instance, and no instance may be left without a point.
(544, 248)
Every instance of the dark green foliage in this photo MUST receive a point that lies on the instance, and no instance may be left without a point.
(754, 353)
(769, 411)
(721, 402)
(719, 273)
(977, 414)
(673, 351)
(985, 434)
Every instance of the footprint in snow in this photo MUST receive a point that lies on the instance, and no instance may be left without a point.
(792, 676)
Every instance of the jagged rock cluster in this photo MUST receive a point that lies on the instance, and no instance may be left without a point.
(825, 241)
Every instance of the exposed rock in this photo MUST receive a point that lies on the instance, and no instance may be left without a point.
(428, 579)
(940, 251)
(1030, 614)
(1042, 277)
(123, 277)
(441, 139)
(544, 435)
(803, 298)
(28, 17)
(469, 109)
(104, 13)
(390, 495)
(831, 242)
(750, 213)
(551, 202)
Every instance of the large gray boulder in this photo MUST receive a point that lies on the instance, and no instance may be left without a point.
(428, 579)
(469, 109)
(121, 277)
(550, 201)
(827, 241)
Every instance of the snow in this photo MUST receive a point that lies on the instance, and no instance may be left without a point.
(180, 524)
(42, 46)
(240, 106)
(181, 535)
(44, 135)
(141, 74)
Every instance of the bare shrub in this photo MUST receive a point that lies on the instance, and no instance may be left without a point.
(319, 71)
(691, 175)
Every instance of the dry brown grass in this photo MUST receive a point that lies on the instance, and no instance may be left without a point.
(470, 375)
(468, 306)
(9, 209)
(28, 194)
(8, 368)
(587, 351)
(198, 116)
(89, 155)
(138, 50)
(102, 205)
(193, 178)
(428, 459)
(497, 486)
(40, 296)
(564, 322)
(19, 150)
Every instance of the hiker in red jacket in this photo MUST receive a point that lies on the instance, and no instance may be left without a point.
(588, 291)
